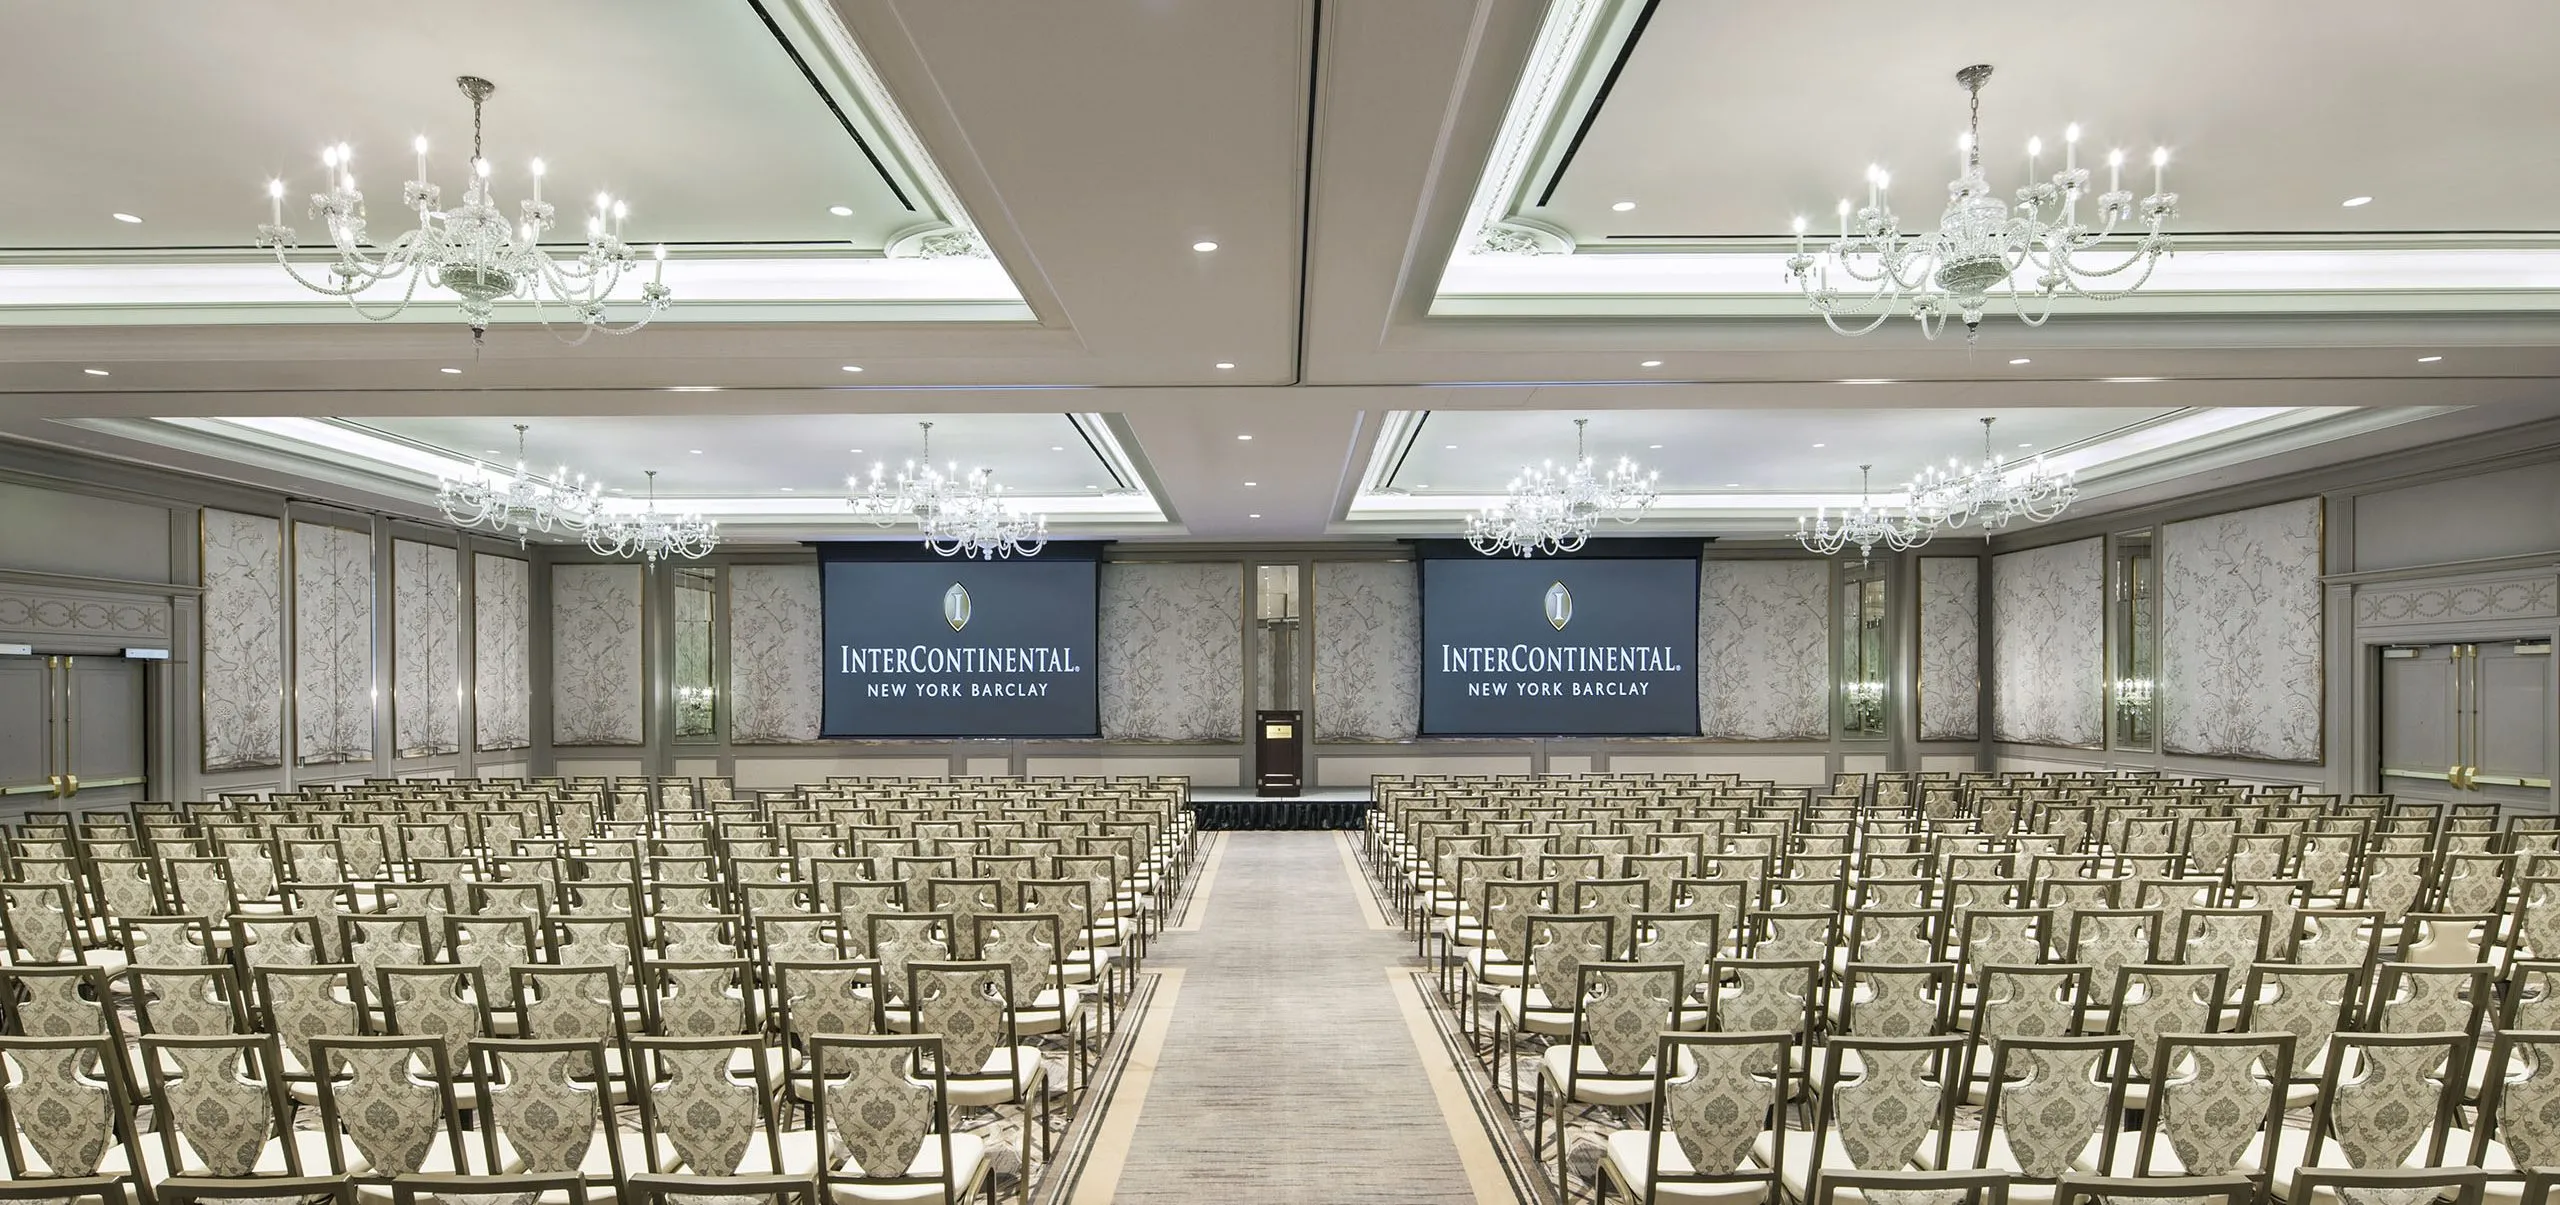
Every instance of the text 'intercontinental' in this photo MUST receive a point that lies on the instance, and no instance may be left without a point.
(927, 659)
(1560, 659)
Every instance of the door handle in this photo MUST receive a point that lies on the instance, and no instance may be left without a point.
(73, 787)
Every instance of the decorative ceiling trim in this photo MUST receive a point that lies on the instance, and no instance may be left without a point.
(2176, 444)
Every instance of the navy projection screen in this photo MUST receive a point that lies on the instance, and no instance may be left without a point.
(958, 648)
(1559, 646)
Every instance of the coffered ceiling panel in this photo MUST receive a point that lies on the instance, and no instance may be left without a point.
(696, 111)
(1727, 119)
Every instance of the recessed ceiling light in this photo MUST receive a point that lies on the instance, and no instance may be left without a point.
(842, 211)
(1822, 445)
(1204, 245)
(856, 451)
(1653, 447)
(1253, 516)
(95, 372)
(491, 452)
(1421, 485)
(1226, 364)
(853, 368)
(1623, 206)
(2429, 359)
(695, 388)
(694, 451)
(1651, 364)
(2026, 445)
(1251, 484)
(1093, 487)
(1245, 438)
(788, 490)
(126, 218)
(1448, 447)
(451, 372)
(1056, 448)
(2022, 360)
(1733, 485)
(2353, 202)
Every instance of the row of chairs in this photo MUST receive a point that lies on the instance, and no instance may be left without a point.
(2018, 1000)
(798, 993)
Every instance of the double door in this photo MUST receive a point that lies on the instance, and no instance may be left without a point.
(2469, 721)
(72, 728)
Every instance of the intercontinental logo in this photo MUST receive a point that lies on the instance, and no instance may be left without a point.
(1559, 606)
(955, 606)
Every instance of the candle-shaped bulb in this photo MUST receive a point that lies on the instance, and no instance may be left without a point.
(275, 188)
(2115, 158)
(420, 143)
(538, 169)
(2159, 170)
(662, 253)
(2160, 156)
(1884, 180)
(604, 201)
(2035, 147)
(1799, 224)
(2071, 133)
(480, 168)
(621, 210)
(329, 156)
(346, 154)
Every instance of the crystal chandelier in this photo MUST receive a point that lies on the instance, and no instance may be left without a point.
(1994, 492)
(1864, 527)
(1983, 242)
(472, 249)
(959, 513)
(524, 503)
(653, 536)
(1552, 510)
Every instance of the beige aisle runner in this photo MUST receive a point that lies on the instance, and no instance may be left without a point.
(1289, 1072)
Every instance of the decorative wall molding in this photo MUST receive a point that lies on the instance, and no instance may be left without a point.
(1764, 650)
(426, 634)
(35, 612)
(777, 693)
(2240, 634)
(1950, 636)
(1172, 656)
(2048, 650)
(2527, 596)
(332, 644)
(242, 561)
(501, 658)
(596, 689)
(1368, 651)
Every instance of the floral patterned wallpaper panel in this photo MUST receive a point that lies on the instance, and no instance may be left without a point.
(2048, 625)
(243, 577)
(595, 655)
(1172, 659)
(501, 665)
(1764, 650)
(426, 637)
(1368, 638)
(2240, 624)
(332, 644)
(776, 649)
(1950, 648)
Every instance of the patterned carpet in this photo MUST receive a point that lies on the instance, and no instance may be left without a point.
(1289, 1074)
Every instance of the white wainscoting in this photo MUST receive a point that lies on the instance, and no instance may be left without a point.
(1204, 771)
(503, 770)
(1952, 763)
(1806, 769)
(775, 773)
(568, 767)
(1353, 770)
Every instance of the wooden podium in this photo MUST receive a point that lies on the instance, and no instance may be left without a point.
(1279, 747)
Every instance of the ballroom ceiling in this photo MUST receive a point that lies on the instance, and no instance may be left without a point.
(1337, 153)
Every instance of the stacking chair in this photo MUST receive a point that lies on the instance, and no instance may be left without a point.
(544, 1113)
(1551, 966)
(1618, 1010)
(1712, 1095)
(984, 1063)
(1883, 1105)
(712, 1128)
(2216, 1106)
(2386, 1101)
(883, 1116)
(2053, 1105)
(222, 1115)
(62, 1115)
(387, 1109)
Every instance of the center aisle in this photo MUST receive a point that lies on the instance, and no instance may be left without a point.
(1289, 1072)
